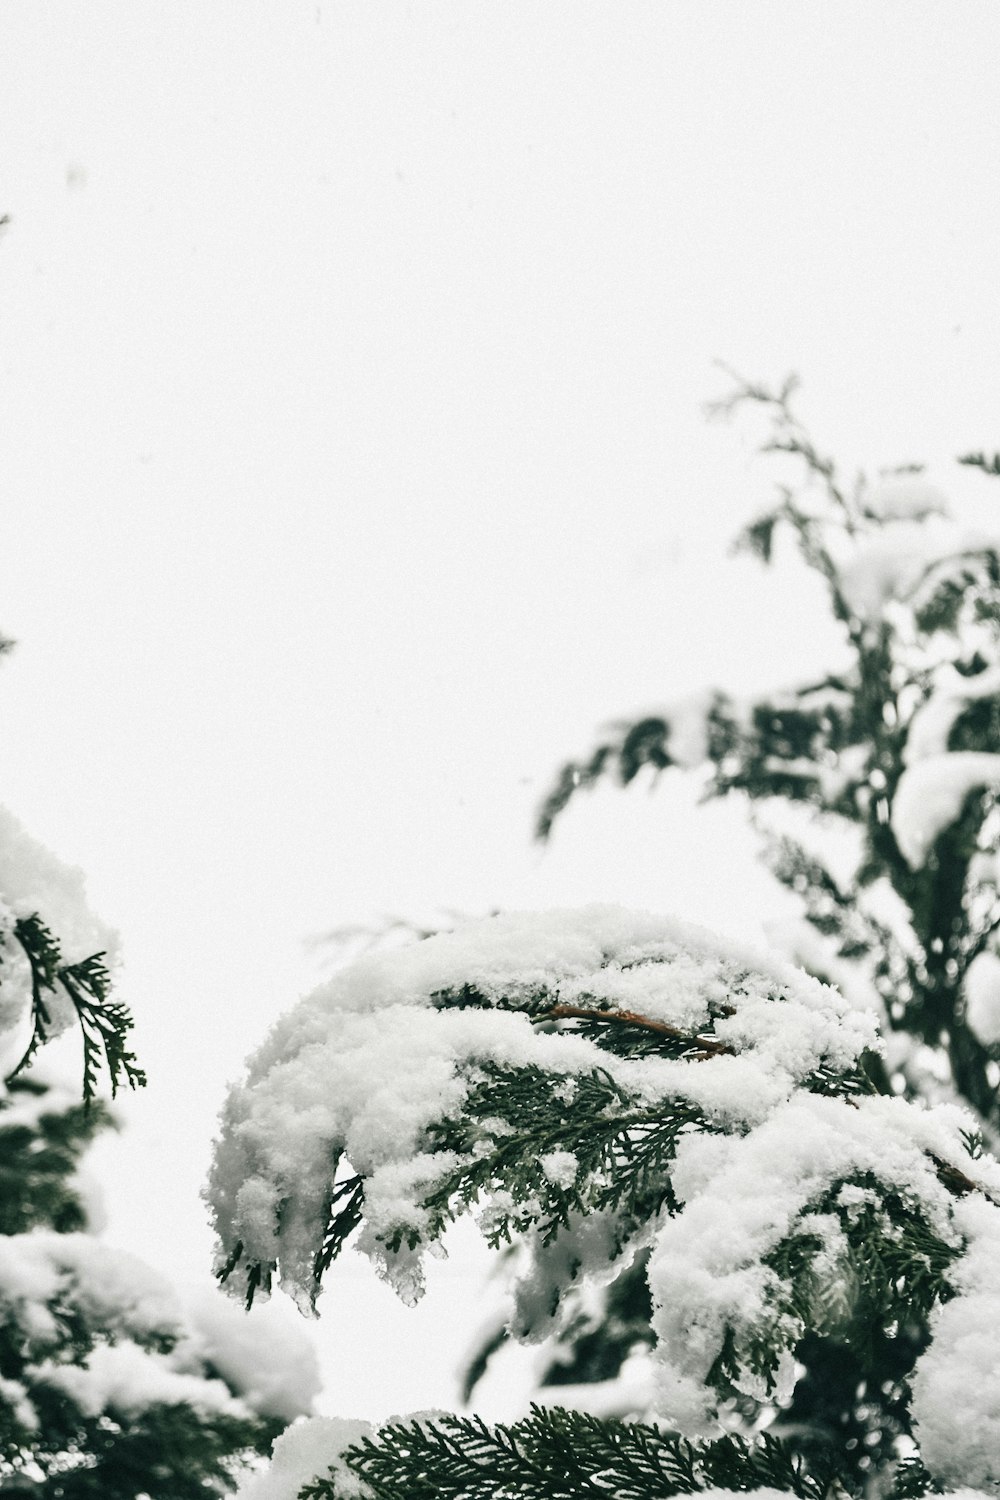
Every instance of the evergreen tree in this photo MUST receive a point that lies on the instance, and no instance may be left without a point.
(595, 1086)
(108, 1388)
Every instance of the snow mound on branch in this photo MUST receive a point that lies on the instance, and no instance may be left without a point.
(127, 1379)
(687, 742)
(930, 796)
(34, 880)
(906, 498)
(890, 563)
(143, 1353)
(951, 694)
(956, 1383)
(306, 1451)
(362, 1067)
(981, 988)
(785, 1183)
(43, 1271)
(263, 1354)
(147, 1350)
(910, 554)
(743, 1196)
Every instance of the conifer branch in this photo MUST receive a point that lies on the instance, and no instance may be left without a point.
(104, 1023)
(988, 465)
(555, 1454)
(508, 1128)
(345, 1213)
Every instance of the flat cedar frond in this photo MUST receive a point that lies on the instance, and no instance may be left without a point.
(104, 1023)
(43, 960)
(513, 1120)
(259, 1274)
(347, 1201)
(895, 1270)
(640, 744)
(555, 1454)
(989, 465)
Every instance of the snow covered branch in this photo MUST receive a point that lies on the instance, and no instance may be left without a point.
(600, 1083)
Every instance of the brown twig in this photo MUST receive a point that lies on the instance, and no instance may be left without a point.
(955, 1180)
(705, 1046)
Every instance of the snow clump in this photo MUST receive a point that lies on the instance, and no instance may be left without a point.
(362, 1067)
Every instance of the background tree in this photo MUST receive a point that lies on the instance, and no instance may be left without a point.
(874, 789)
(109, 1387)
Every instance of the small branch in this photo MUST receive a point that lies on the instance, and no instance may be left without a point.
(705, 1046)
(955, 1180)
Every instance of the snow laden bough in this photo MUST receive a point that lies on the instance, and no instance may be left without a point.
(596, 1083)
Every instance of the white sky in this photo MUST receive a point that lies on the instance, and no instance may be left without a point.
(352, 363)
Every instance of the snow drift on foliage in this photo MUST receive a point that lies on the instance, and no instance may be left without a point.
(364, 1065)
(930, 796)
(956, 1384)
(905, 559)
(46, 1277)
(951, 693)
(263, 1354)
(306, 1450)
(743, 1196)
(146, 1351)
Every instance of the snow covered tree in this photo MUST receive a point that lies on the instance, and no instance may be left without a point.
(109, 1387)
(595, 1086)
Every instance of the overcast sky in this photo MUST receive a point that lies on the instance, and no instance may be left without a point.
(354, 464)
